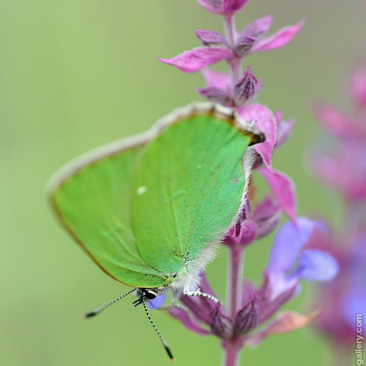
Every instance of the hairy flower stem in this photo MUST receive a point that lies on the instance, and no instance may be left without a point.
(233, 346)
(235, 63)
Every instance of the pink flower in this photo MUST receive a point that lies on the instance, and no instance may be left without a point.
(217, 47)
(344, 297)
(276, 132)
(283, 189)
(280, 39)
(198, 58)
(255, 222)
(343, 167)
(358, 86)
(266, 123)
(339, 124)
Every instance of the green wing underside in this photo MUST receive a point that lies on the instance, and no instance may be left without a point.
(94, 206)
(145, 211)
(193, 181)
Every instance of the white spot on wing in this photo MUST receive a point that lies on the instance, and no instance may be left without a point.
(141, 190)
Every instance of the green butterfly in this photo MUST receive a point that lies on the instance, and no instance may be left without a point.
(150, 210)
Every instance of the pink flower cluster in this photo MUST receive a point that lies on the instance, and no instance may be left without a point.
(238, 90)
(343, 168)
(291, 261)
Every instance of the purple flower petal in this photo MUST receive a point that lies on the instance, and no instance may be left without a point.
(188, 321)
(207, 289)
(249, 293)
(243, 233)
(258, 27)
(210, 38)
(288, 242)
(279, 39)
(216, 79)
(316, 265)
(279, 293)
(246, 87)
(198, 58)
(358, 86)
(283, 189)
(214, 6)
(267, 215)
(353, 304)
(244, 45)
(199, 306)
(158, 302)
(216, 95)
(266, 123)
(232, 6)
(353, 298)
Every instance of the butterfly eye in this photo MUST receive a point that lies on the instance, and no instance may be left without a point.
(150, 295)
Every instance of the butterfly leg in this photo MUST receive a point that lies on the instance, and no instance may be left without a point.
(202, 294)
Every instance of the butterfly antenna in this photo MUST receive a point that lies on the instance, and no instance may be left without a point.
(98, 310)
(165, 344)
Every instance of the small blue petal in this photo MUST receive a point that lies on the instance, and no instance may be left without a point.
(288, 242)
(158, 302)
(316, 265)
(354, 299)
(354, 308)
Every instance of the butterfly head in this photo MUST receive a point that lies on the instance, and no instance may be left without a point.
(146, 294)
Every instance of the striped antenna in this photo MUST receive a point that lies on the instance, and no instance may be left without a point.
(165, 344)
(98, 310)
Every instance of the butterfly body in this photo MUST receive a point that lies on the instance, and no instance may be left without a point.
(151, 210)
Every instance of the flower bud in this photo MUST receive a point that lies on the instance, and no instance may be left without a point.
(221, 325)
(247, 318)
(246, 87)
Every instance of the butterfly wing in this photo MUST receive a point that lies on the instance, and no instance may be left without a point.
(141, 210)
(188, 188)
(92, 200)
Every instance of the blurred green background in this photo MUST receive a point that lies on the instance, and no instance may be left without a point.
(76, 74)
